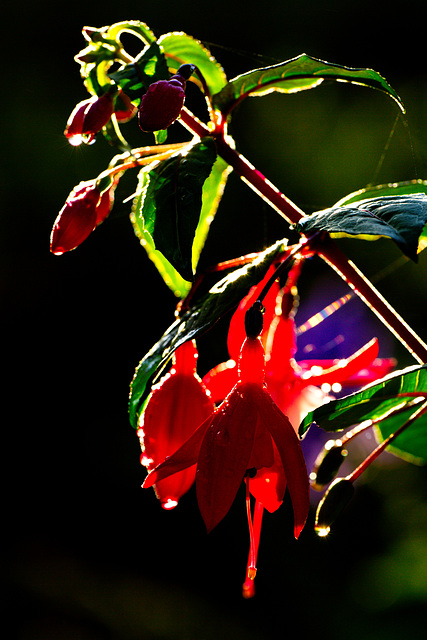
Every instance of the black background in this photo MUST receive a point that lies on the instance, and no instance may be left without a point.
(87, 554)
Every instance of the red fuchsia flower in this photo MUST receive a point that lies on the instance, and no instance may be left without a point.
(296, 387)
(293, 388)
(88, 117)
(162, 103)
(247, 438)
(84, 209)
(176, 407)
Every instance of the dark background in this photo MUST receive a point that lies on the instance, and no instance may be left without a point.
(87, 554)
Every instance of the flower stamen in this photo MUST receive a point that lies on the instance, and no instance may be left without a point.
(248, 589)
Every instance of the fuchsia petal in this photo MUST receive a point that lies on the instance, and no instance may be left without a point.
(174, 411)
(289, 448)
(183, 458)
(177, 406)
(379, 368)
(269, 484)
(224, 456)
(340, 370)
(220, 380)
(236, 331)
(281, 348)
(262, 454)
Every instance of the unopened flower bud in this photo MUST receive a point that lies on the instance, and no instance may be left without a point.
(76, 220)
(88, 117)
(327, 464)
(333, 502)
(254, 320)
(162, 103)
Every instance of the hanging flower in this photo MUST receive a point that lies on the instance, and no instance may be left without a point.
(251, 436)
(162, 103)
(247, 438)
(85, 208)
(176, 407)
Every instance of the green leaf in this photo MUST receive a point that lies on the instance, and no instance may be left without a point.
(391, 189)
(297, 74)
(168, 208)
(401, 218)
(388, 403)
(411, 444)
(180, 48)
(199, 318)
(213, 188)
(149, 66)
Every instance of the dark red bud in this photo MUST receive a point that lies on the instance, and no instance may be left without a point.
(162, 104)
(75, 121)
(88, 117)
(98, 114)
(76, 220)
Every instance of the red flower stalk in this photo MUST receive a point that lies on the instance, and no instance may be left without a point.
(247, 436)
(162, 103)
(84, 209)
(88, 117)
(176, 407)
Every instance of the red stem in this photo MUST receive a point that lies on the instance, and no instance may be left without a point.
(325, 247)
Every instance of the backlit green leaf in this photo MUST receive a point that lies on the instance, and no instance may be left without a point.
(401, 218)
(391, 189)
(388, 403)
(180, 48)
(169, 215)
(149, 66)
(297, 74)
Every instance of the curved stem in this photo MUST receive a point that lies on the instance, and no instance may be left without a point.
(259, 183)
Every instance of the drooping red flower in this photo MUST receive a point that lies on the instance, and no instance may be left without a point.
(85, 208)
(162, 103)
(178, 404)
(249, 439)
(88, 117)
